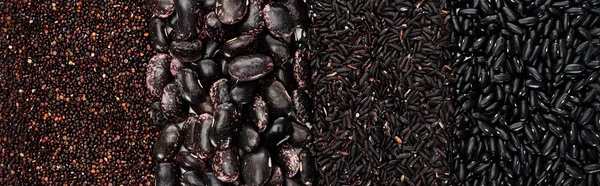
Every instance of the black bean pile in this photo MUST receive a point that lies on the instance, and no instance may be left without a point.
(224, 74)
(382, 82)
(527, 92)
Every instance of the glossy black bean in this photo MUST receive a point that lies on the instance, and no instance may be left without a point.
(278, 132)
(243, 92)
(210, 179)
(190, 162)
(213, 27)
(254, 23)
(158, 119)
(210, 48)
(189, 133)
(250, 67)
(219, 92)
(259, 114)
(278, 19)
(189, 86)
(186, 51)
(276, 176)
(285, 75)
(287, 158)
(173, 107)
(300, 136)
(168, 143)
(299, 11)
(192, 178)
(292, 182)
(187, 19)
(277, 49)
(162, 8)
(224, 126)
(308, 170)
(203, 145)
(208, 72)
(166, 174)
(256, 167)
(208, 5)
(158, 36)
(278, 100)
(231, 11)
(237, 46)
(157, 74)
(226, 164)
(249, 138)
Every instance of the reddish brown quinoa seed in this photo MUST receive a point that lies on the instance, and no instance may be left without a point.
(73, 105)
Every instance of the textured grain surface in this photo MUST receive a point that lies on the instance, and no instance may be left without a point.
(73, 106)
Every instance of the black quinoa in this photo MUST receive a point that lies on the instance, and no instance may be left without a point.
(74, 109)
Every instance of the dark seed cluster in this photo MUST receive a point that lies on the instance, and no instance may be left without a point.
(232, 83)
(381, 76)
(527, 92)
(73, 107)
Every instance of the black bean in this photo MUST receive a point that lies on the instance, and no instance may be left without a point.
(186, 51)
(226, 165)
(213, 27)
(225, 124)
(249, 138)
(259, 114)
(256, 167)
(202, 135)
(278, 50)
(187, 19)
(158, 119)
(276, 176)
(192, 178)
(166, 174)
(299, 12)
(162, 8)
(158, 36)
(237, 46)
(278, 132)
(219, 92)
(288, 158)
(243, 92)
(209, 178)
(157, 74)
(167, 144)
(254, 22)
(300, 136)
(231, 11)
(250, 67)
(208, 72)
(172, 105)
(278, 100)
(187, 161)
(189, 86)
(279, 19)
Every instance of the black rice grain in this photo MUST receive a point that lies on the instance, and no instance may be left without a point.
(541, 97)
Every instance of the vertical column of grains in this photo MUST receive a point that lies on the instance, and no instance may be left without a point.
(527, 92)
(381, 76)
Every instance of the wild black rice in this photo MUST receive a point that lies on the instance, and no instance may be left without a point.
(381, 76)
